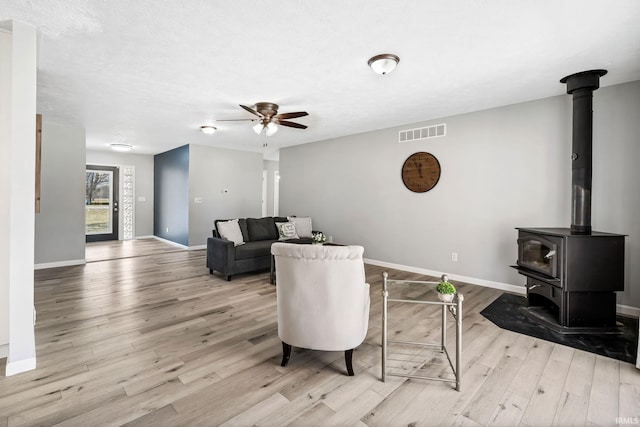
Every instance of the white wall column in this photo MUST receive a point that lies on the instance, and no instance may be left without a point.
(17, 187)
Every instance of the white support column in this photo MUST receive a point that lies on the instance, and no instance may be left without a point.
(18, 54)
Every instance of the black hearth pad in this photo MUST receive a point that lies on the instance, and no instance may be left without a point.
(506, 313)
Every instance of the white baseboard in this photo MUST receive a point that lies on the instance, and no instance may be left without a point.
(20, 366)
(144, 237)
(4, 351)
(190, 248)
(59, 264)
(628, 310)
(171, 242)
(487, 283)
(620, 309)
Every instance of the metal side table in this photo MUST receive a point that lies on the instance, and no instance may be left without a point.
(454, 308)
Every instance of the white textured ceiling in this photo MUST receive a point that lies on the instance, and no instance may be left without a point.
(150, 72)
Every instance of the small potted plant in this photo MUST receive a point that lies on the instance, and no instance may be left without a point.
(319, 238)
(445, 290)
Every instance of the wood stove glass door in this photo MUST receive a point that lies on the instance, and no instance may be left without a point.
(538, 254)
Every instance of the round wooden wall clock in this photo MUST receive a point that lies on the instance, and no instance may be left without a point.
(421, 172)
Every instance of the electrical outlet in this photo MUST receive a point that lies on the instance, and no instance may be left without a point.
(454, 256)
(167, 229)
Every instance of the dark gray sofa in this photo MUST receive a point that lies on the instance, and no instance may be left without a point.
(255, 254)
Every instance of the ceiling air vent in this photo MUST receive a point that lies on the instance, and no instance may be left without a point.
(423, 133)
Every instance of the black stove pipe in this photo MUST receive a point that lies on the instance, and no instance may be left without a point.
(581, 86)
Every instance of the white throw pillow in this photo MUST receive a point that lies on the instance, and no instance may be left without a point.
(303, 225)
(287, 230)
(230, 230)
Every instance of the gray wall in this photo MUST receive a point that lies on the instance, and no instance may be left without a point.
(171, 195)
(501, 168)
(59, 227)
(143, 164)
(211, 171)
(616, 198)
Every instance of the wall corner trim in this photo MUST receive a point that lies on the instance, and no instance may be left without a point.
(20, 366)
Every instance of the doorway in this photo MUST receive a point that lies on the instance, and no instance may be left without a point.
(276, 193)
(264, 193)
(101, 203)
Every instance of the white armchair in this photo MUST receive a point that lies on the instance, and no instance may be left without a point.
(323, 299)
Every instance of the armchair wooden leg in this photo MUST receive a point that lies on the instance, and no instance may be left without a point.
(348, 357)
(286, 353)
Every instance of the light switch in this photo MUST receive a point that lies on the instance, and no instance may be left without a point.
(197, 200)
(142, 199)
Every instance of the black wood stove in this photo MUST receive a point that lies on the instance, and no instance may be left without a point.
(573, 273)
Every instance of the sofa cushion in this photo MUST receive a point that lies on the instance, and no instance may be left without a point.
(286, 230)
(303, 225)
(243, 228)
(254, 249)
(230, 230)
(262, 229)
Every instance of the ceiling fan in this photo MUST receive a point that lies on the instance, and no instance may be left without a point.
(269, 119)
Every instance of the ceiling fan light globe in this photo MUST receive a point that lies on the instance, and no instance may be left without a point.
(271, 129)
(258, 128)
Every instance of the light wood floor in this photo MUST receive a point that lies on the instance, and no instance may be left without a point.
(153, 339)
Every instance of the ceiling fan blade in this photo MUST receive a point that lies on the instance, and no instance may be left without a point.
(251, 110)
(291, 124)
(236, 120)
(292, 115)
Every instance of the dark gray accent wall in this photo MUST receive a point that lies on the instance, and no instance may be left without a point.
(171, 195)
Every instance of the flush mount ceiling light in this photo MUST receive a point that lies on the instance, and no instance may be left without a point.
(121, 147)
(384, 63)
(208, 130)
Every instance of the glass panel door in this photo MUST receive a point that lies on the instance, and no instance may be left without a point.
(101, 203)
